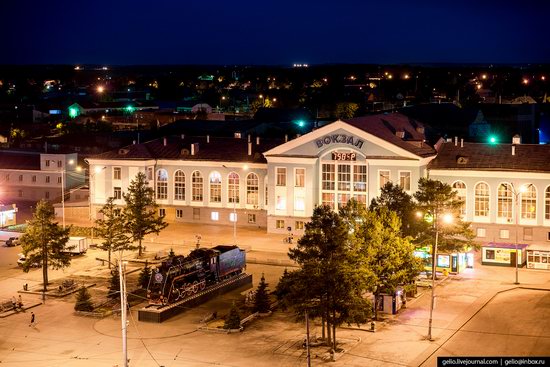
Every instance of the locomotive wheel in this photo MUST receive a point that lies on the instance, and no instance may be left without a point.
(195, 287)
(176, 294)
(202, 284)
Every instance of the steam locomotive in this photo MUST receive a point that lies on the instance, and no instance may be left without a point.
(182, 276)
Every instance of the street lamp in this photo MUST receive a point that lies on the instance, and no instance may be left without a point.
(434, 218)
(522, 189)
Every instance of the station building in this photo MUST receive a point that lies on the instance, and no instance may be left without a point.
(275, 184)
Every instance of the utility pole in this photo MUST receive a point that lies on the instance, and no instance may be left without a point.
(307, 340)
(123, 309)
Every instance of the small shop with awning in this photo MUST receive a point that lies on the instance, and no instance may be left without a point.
(454, 262)
(503, 254)
(538, 257)
(8, 215)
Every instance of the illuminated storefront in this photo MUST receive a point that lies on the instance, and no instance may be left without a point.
(502, 254)
(538, 258)
(8, 215)
(454, 262)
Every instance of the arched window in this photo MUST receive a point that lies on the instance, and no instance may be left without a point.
(252, 189)
(505, 201)
(233, 187)
(162, 184)
(481, 200)
(529, 203)
(460, 188)
(215, 187)
(179, 185)
(547, 203)
(196, 186)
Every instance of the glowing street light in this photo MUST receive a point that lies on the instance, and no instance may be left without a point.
(100, 89)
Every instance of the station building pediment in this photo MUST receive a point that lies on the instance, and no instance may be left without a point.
(343, 137)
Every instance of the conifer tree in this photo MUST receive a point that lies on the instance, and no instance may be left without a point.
(83, 300)
(261, 299)
(141, 210)
(44, 242)
(114, 287)
(144, 276)
(233, 320)
(111, 228)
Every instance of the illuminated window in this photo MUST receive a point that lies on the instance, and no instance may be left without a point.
(252, 189)
(344, 177)
(405, 181)
(233, 187)
(299, 225)
(179, 185)
(481, 232)
(504, 234)
(481, 200)
(232, 217)
(281, 176)
(383, 178)
(279, 224)
(281, 203)
(117, 193)
(116, 173)
(299, 204)
(196, 186)
(547, 203)
(215, 216)
(215, 187)
(299, 177)
(360, 178)
(162, 184)
(529, 203)
(329, 177)
(504, 201)
(328, 199)
(460, 188)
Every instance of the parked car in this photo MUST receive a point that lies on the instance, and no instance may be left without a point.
(12, 241)
(22, 260)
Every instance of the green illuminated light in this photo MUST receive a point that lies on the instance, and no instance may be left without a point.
(73, 112)
(130, 109)
(301, 123)
(493, 140)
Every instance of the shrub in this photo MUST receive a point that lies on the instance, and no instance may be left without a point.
(83, 300)
(233, 320)
(114, 287)
(144, 276)
(261, 299)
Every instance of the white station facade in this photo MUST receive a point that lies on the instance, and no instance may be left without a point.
(271, 184)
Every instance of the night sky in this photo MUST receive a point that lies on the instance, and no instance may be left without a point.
(279, 32)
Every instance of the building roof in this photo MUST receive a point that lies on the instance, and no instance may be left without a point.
(19, 160)
(489, 157)
(388, 126)
(176, 148)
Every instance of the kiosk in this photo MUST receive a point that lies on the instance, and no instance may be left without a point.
(503, 254)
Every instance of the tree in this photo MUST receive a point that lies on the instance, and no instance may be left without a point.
(83, 300)
(111, 228)
(140, 213)
(261, 299)
(233, 320)
(44, 242)
(394, 198)
(114, 287)
(346, 110)
(388, 256)
(435, 200)
(329, 282)
(144, 276)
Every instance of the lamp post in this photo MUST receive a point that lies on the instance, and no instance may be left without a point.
(447, 218)
(522, 189)
(123, 307)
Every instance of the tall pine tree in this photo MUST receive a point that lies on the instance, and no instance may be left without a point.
(111, 228)
(44, 242)
(141, 211)
(261, 299)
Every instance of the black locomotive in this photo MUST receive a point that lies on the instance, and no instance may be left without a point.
(181, 276)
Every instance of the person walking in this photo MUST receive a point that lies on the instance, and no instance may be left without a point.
(13, 302)
(20, 302)
(33, 323)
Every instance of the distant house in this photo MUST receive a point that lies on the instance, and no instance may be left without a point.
(193, 107)
(480, 128)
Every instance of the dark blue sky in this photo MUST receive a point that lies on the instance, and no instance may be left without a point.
(273, 32)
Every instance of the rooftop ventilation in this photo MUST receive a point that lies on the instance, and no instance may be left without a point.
(194, 148)
(462, 160)
(123, 151)
(516, 139)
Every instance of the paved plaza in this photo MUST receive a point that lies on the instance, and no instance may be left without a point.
(479, 312)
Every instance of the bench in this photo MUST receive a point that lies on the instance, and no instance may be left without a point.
(6, 306)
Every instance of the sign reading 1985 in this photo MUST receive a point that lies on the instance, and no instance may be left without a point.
(344, 156)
